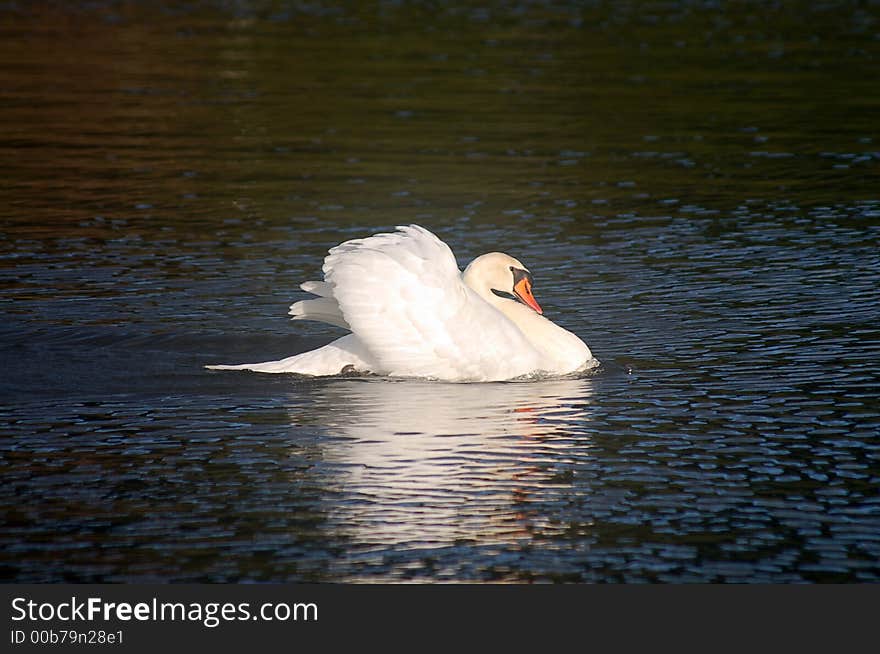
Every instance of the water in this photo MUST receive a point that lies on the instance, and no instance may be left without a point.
(694, 188)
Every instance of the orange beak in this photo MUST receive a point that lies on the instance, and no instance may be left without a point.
(523, 290)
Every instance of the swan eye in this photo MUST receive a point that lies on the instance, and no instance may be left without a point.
(519, 274)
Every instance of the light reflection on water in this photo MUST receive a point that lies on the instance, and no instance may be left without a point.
(431, 464)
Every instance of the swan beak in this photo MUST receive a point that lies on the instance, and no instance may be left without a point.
(523, 290)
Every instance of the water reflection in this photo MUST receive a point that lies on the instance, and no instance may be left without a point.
(431, 464)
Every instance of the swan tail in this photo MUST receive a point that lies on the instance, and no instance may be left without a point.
(323, 308)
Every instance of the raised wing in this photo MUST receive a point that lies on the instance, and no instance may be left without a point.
(401, 293)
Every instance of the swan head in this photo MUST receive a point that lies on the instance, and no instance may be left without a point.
(500, 279)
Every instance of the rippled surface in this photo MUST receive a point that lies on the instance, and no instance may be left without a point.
(694, 188)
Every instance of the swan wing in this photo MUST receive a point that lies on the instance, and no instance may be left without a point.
(402, 294)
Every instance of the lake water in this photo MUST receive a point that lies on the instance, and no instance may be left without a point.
(695, 188)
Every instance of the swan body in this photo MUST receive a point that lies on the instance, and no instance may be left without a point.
(413, 313)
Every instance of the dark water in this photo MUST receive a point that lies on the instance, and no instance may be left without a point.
(695, 187)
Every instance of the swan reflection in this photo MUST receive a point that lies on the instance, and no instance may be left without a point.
(430, 464)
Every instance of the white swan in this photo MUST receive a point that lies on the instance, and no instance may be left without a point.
(413, 313)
